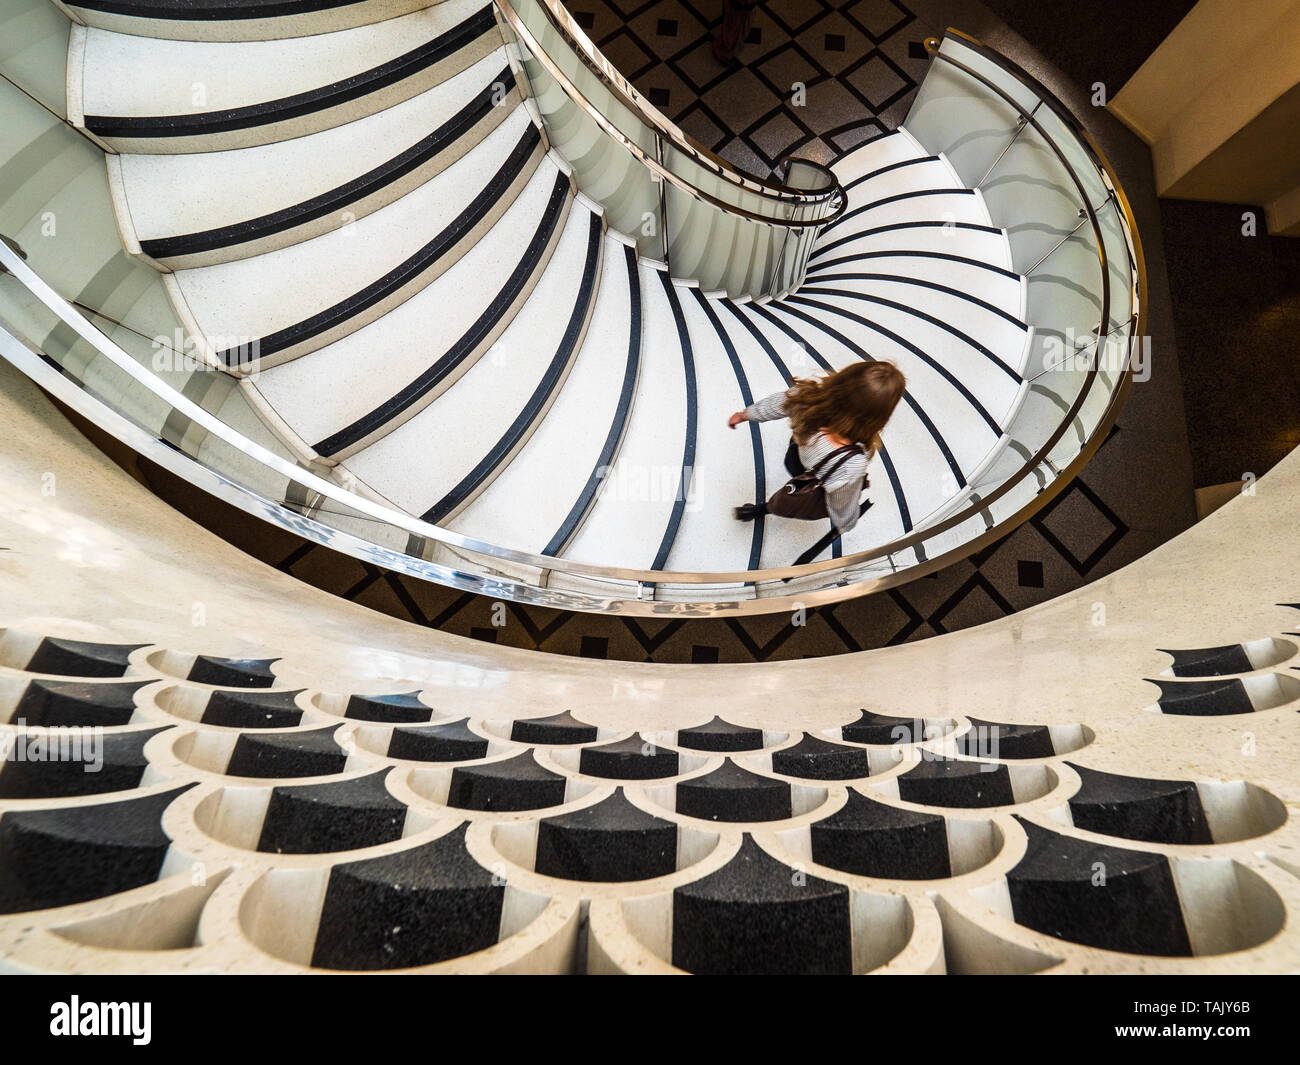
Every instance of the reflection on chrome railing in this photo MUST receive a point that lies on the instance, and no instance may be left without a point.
(684, 205)
(1041, 457)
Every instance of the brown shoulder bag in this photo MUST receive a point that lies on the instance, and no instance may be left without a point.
(803, 495)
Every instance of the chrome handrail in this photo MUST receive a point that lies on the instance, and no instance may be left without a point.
(661, 127)
(595, 60)
(742, 578)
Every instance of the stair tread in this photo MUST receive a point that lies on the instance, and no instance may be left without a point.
(466, 420)
(260, 295)
(328, 389)
(186, 193)
(627, 524)
(284, 67)
(530, 499)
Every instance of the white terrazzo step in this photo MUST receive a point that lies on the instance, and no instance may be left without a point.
(627, 524)
(261, 295)
(983, 245)
(1004, 291)
(171, 195)
(709, 537)
(326, 20)
(895, 147)
(986, 379)
(910, 175)
(200, 77)
(324, 392)
(417, 464)
(530, 499)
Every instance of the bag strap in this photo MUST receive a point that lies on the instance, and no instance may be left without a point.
(837, 451)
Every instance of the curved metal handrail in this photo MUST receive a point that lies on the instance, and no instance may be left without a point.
(790, 198)
(371, 510)
(595, 60)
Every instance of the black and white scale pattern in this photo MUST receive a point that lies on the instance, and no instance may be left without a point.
(236, 825)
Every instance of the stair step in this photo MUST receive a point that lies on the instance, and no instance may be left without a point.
(188, 212)
(887, 150)
(334, 399)
(302, 84)
(983, 243)
(476, 427)
(539, 501)
(709, 538)
(629, 522)
(235, 20)
(294, 300)
(925, 172)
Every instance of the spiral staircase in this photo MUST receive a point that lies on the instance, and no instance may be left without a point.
(433, 286)
(407, 245)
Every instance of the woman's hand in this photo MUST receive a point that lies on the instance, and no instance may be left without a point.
(736, 419)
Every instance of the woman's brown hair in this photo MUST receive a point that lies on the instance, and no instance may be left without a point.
(854, 403)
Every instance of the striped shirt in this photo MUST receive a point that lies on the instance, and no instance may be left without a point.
(844, 486)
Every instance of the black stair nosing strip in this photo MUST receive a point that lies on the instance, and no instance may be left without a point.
(312, 101)
(889, 167)
(894, 227)
(618, 427)
(336, 199)
(692, 415)
(913, 253)
(210, 10)
(943, 371)
(471, 339)
(925, 316)
(935, 286)
(755, 440)
(911, 401)
(894, 483)
(493, 461)
(896, 198)
(401, 275)
(762, 341)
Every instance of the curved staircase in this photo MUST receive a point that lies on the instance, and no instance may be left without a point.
(366, 226)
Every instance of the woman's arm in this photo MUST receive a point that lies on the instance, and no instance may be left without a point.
(767, 409)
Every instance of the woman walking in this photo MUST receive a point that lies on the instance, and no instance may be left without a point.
(835, 424)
